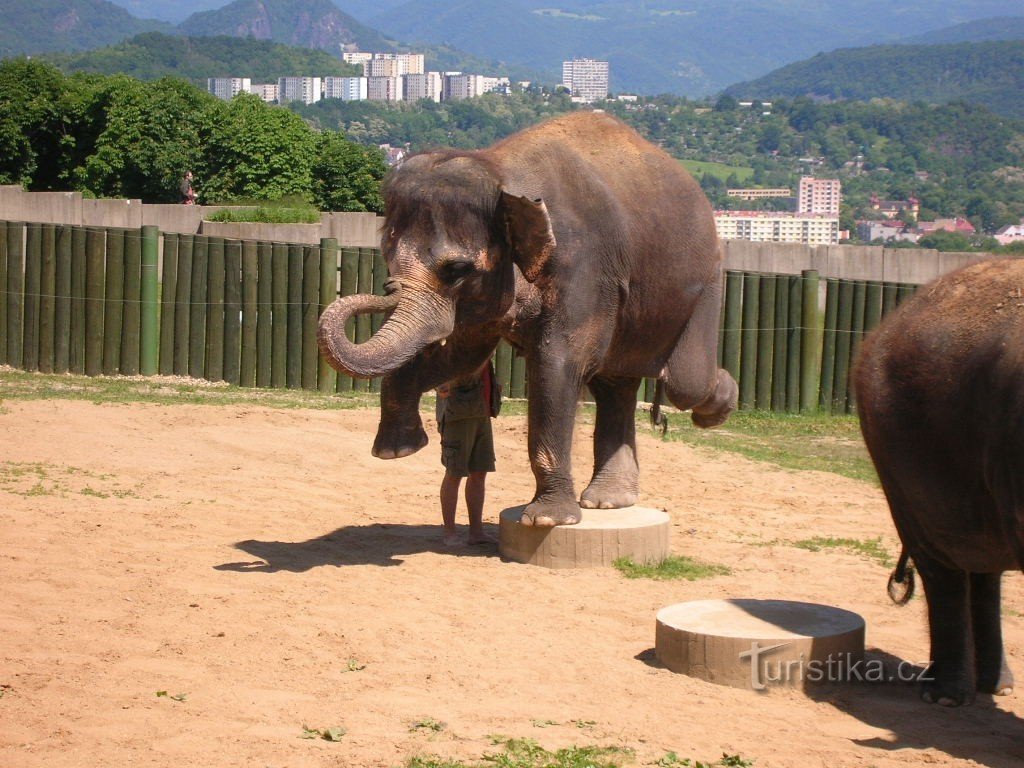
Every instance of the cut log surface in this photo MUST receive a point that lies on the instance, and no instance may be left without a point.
(601, 537)
(759, 644)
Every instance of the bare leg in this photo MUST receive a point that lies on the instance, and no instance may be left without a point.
(449, 501)
(475, 489)
(616, 480)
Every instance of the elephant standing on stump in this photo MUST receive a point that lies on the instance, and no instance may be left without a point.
(940, 390)
(590, 250)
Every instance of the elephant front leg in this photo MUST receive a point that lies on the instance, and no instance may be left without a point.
(616, 480)
(993, 675)
(950, 679)
(552, 416)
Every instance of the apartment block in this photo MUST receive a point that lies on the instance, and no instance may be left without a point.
(308, 90)
(227, 88)
(759, 193)
(586, 79)
(456, 86)
(345, 88)
(426, 85)
(266, 91)
(384, 88)
(765, 226)
(819, 196)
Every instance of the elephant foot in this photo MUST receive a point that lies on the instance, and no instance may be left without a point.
(548, 514)
(1003, 685)
(599, 495)
(946, 691)
(400, 443)
(716, 409)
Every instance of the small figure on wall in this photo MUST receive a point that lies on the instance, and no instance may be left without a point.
(188, 192)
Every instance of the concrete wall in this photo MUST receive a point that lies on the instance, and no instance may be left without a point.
(307, 234)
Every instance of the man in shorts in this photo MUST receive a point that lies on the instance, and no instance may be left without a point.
(464, 412)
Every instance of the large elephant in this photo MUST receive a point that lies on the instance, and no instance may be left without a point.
(590, 250)
(940, 390)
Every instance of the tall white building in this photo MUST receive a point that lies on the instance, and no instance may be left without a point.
(819, 196)
(266, 91)
(345, 88)
(767, 226)
(228, 87)
(308, 90)
(586, 79)
(422, 86)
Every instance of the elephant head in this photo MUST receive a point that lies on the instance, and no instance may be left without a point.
(452, 238)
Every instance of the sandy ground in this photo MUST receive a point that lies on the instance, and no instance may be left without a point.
(263, 570)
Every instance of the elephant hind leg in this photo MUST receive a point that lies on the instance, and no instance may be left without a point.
(693, 380)
(616, 480)
(950, 679)
(993, 675)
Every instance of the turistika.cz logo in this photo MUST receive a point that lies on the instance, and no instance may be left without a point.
(840, 668)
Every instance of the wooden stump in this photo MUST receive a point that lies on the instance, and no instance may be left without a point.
(601, 537)
(759, 644)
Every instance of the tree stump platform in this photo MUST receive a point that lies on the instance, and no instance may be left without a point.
(760, 644)
(601, 537)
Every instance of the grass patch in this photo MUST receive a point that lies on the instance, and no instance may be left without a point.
(720, 170)
(267, 215)
(870, 548)
(671, 568)
(37, 479)
(527, 753)
(819, 442)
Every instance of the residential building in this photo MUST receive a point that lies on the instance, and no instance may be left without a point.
(357, 57)
(387, 64)
(1012, 233)
(266, 91)
(891, 209)
(227, 88)
(768, 226)
(586, 79)
(456, 86)
(885, 230)
(345, 88)
(759, 194)
(426, 85)
(384, 88)
(308, 90)
(819, 196)
(956, 224)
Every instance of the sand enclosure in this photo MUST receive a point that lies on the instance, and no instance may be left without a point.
(263, 571)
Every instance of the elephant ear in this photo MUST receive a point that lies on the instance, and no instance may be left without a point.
(529, 233)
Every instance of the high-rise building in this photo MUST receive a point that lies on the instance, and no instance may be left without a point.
(308, 90)
(266, 91)
(426, 85)
(384, 88)
(586, 79)
(458, 86)
(228, 87)
(769, 226)
(345, 88)
(819, 196)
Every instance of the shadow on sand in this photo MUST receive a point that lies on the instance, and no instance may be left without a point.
(380, 544)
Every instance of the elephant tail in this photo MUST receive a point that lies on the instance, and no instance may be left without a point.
(901, 580)
(659, 419)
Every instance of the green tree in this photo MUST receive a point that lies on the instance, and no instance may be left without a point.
(945, 241)
(30, 94)
(347, 176)
(256, 151)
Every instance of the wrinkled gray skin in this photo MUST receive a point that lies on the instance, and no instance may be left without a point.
(940, 391)
(588, 249)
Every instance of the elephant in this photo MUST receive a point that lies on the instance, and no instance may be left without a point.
(593, 252)
(940, 393)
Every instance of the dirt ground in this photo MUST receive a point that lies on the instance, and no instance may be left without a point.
(261, 570)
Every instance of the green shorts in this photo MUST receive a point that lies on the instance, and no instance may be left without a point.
(467, 445)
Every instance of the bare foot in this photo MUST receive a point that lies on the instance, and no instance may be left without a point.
(451, 539)
(483, 537)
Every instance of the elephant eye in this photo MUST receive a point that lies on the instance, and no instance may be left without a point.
(456, 270)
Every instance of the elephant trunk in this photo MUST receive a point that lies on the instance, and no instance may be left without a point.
(416, 320)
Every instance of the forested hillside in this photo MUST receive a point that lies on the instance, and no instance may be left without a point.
(154, 55)
(34, 26)
(989, 73)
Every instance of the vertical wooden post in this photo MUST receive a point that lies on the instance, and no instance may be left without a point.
(15, 294)
(215, 311)
(95, 281)
(844, 329)
(380, 275)
(748, 340)
(856, 336)
(78, 268)
(733, 321)
(4, 296)
(131, 323)
(810, 343)
(62, 310)
(168, 303)
(149, 327)
(47, 298)
(828, 345)
(310, 307)
(327, 377)
(265, 314)
(765, 347)
(781, 343)
(794, 345)
(33, 281)
(294, 364)
(113, 302)
(183, 304)
(232, 361)
(197, 312)
(279, 341)
(349, 286)
(503, 365)
(250, 313)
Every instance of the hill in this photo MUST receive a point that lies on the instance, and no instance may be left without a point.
(153, 55)
(35, 26)
(308, 23)
(999, 28)
(687, 47)
(990, 74)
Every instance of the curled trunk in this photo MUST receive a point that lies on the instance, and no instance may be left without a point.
(415, 322)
